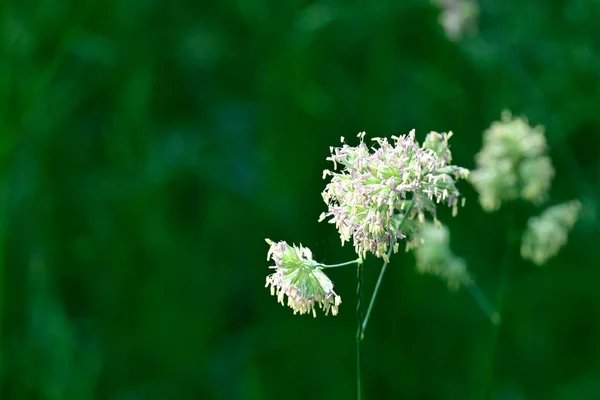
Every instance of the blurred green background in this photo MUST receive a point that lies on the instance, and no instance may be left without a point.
(147, 149)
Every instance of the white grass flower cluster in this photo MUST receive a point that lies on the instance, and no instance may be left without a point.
(300, 278)
(548, 232)
(369, 196)
(433, 256)
(512, 164)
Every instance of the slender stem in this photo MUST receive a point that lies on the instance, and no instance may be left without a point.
(358, 260)
(9, 113)
(372, 302)
(499, 301)
(380, 278)
(363, 324)
(359, 329)
(484, 303)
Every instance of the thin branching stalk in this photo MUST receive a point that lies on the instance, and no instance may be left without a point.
(380, 278)
(504, 272)
(359, 333)
(358, 260)
(486, 306)
(375, 291)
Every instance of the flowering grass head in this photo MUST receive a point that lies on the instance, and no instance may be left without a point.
(548, 232)
(300, 278)
(376, 189)
(433, 256)
(512, 164)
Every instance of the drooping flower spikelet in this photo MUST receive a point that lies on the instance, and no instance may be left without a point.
(548, 232)
(433, 256)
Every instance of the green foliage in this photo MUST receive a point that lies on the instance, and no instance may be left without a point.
(148, 148)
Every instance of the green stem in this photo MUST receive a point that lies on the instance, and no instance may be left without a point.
(484, 303)
(363, 324)
(380, 278)
(357, 261)
(359, 329)
(500, 301)
(372, 302)
(8, 117)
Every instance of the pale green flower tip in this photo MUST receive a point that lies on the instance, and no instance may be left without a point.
(537, 175)
(438, 143)
(506, 116)
(496, 318)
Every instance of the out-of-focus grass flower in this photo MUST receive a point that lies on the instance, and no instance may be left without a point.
(433, 256)
(548, 232)
(370, 197)
(458, 17)
(301, 279)
(512, 164)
